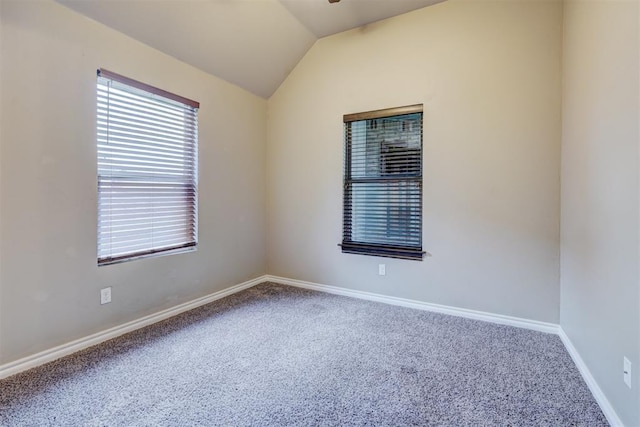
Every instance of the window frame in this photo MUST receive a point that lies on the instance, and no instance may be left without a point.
(156, 180)
(389, 249)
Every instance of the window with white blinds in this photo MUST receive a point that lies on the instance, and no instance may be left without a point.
(383, 183)
(147, 170)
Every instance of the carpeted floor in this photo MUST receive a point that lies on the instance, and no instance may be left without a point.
(277, 355)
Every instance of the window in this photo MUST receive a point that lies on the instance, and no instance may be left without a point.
(383, 183)
(147, 170)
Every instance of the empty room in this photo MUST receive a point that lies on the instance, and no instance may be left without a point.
(319, 212)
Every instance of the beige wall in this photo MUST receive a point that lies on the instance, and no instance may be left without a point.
(489, 76)
(49, 279)
(599, 254)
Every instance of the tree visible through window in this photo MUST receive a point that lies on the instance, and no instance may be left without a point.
(147, 170)
(383, 183)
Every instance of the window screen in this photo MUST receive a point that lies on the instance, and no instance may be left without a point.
(147, 170)
(383, 183)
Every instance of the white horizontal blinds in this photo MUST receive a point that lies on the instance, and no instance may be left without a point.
(147, 171)
(383, 185)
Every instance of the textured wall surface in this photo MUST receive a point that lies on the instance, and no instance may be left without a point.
(489, 76)
(599, 254)
(50, 281)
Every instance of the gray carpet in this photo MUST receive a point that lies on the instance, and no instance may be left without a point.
(277, 355)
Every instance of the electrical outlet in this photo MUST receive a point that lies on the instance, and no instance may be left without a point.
(382, 269)
(626, 368)
(105, 295)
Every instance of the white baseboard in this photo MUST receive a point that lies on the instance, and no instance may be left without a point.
(602, 400)
(535, 325)
(82, 343)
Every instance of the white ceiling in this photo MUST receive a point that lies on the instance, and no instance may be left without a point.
(251, 43)
(324, 19)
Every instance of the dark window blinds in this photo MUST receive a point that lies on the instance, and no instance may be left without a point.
(147, 170)
(383, 183)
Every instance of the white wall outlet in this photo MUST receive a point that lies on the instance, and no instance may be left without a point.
(626, 368)
(382, 269)
(105, 295)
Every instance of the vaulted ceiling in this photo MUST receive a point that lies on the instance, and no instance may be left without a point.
(253, 44)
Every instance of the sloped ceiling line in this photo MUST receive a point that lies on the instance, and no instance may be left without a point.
(253, 44)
